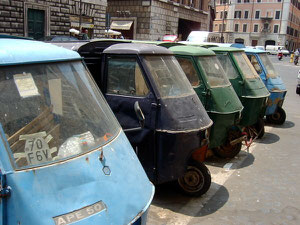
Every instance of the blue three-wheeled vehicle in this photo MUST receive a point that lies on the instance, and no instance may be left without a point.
(64, 158)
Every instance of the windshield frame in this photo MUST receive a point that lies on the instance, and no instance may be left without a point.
(249, 67)
(91, 88)
(204, 71)
(266, 62)
(176, 66)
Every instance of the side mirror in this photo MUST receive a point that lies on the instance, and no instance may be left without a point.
(139, 113)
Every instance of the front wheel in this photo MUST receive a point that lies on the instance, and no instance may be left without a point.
(227, 150)
(277, 118)
(196, 180)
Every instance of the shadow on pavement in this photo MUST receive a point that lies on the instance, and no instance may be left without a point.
(247, 162)
(269, 138)
(287, 124)
(243, 159)
(168, 197)
(215, 203)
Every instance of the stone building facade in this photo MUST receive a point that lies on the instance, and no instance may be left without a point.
(38, 18)
(152, 19)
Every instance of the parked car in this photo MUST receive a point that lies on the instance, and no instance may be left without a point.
(57, 38)
(204, 36)
(273, 50)
(260, 47)
(170, 38)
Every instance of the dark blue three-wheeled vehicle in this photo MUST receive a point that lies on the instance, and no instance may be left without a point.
(173, 139)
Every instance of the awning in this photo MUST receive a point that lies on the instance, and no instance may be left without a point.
(121, 25)
(112, 32)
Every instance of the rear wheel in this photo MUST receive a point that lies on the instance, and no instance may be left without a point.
(278, 117)
(227, 150)
(197, 179)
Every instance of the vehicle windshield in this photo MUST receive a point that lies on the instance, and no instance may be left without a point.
(168, 76)
(245, 65)
(228, 66)
(271, 73)
(51, 112)
(213, 71)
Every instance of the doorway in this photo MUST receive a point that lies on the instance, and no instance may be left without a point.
(270, 42)
(36, 23)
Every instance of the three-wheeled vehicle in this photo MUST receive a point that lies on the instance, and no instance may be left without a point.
(263, 66)
(216, 93)
(64, 158)
(175, 131)
(248, 86)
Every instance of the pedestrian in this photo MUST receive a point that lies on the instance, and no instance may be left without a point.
(85, 34)
(279, 54)
(296, 59)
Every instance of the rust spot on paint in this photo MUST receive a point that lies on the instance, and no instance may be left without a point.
(275, 102)
(87, 159)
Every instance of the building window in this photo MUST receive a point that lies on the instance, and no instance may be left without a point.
(237, 14)
(255, 28)
(278, 0)
(266, 26)
(221, 15)
(276, 29)
(287, 30)
(258, 1)
(246, 14)
(257, 13)
(225, 14)
(220, 27)
(236, 27)
(277, 15)
(239, 1)
(244, 27)
(246, 1)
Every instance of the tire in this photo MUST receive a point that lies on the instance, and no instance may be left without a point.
(277, 118)
(260, 128)
(196, 181)
(227, 150)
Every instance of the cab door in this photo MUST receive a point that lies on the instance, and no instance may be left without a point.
(126, 83)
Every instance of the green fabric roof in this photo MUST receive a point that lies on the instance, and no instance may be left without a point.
(192, 50)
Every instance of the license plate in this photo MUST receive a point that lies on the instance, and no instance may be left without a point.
(79, 214)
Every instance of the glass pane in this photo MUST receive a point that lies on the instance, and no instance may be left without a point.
(227, 65)
(50, 112)
(255, 63)
(213, 71)
(245, 65)
(271, 73)
(125, 77)
(168, 76)
(190, 71)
